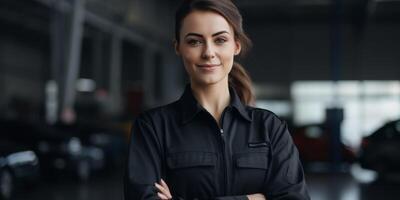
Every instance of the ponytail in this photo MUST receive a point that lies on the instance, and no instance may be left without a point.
(241, 81)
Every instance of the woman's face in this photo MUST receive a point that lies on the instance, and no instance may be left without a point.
(207, 47)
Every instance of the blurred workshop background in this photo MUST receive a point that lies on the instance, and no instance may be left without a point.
(75, 73)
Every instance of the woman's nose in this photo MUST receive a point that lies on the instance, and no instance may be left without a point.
(208, 52)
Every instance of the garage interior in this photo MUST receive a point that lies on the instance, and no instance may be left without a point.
(329, 68)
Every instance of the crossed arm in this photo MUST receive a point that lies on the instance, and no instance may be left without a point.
(165, 194)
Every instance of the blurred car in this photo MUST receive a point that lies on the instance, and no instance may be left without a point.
(110, 140)
(313, 143)
(57, 151)
(18, 167)
(380, 151)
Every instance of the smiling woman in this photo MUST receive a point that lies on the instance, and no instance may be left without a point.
(207, 47)
(211, 143)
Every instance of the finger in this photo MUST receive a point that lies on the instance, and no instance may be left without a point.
(162, 196)
(259, 196)
(167, 191)
(161, 188)
(164, 184)
(163, 191)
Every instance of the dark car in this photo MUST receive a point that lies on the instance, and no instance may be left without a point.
(110, 140)
(19, 167)
(380, 151)
(314, 144)
(58, 151)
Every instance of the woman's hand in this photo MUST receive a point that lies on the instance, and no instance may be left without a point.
(163, 190)
(257, 196)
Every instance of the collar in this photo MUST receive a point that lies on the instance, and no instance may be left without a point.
(190, 107)
(238, 105)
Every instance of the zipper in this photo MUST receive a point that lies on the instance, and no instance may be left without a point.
(224, 158)
(223, 162)
(221, 137)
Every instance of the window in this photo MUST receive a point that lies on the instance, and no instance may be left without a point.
(367, 105)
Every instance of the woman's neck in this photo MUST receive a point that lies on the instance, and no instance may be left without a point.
(214, 98)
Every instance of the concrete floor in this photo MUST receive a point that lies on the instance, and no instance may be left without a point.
(105, 187)
(344, 187)
(322, 186)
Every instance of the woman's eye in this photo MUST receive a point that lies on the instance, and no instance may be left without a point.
(220, 40)
(194, 42)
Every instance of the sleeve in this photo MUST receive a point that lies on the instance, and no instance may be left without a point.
(242, 197)
(144, 163)
(285, 179)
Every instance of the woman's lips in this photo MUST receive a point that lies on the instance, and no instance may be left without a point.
(208, 67)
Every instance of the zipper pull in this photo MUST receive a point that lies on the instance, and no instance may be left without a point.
(221, 131)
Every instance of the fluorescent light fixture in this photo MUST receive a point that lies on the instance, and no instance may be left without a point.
(85, 85)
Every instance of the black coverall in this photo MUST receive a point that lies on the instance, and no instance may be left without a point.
(251, 152)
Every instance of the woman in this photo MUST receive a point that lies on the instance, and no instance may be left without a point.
(210, 144)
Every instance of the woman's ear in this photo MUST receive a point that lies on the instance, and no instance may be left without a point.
(176, 47)
(238, 47)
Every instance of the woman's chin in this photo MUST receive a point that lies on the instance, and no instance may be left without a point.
(208, 80)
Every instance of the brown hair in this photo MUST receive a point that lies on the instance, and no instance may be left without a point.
(238, 77)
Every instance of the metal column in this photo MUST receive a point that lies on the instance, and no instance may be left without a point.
(336, 113)
(55, 86)
(148, 77)
(74, 53)
(115, 74)
(98, 59)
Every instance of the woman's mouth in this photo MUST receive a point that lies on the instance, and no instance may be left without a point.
(208, 67)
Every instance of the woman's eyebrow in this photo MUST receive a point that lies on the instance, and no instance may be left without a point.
(219, 33)
(200, 35)
(193, 34)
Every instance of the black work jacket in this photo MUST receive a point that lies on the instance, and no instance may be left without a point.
(252, 152)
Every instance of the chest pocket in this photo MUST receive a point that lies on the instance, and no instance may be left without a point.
(192, 174)
(191, 159)
(250, 171)
(252, 161)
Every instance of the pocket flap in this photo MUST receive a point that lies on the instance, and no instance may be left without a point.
(191, 159)
(252, 161)
(257, 144)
